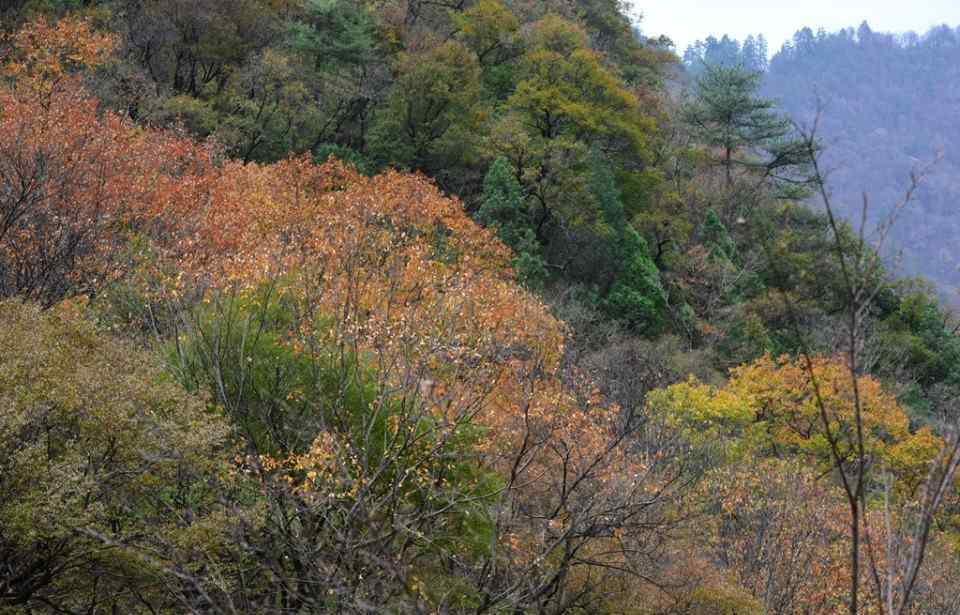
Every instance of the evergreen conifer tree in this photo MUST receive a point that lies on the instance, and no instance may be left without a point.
(727, 114)
(636, 295)
(503, 208)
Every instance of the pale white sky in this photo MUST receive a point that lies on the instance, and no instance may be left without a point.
(685, 21)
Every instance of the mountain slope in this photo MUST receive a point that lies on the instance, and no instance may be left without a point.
(889, 105)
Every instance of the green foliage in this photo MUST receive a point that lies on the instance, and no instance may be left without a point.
(30, 8)
(637, 297)
(491, 32)
(726, 113)
(234, 352)
(566, 102)
(723, 601)
(198, 116)
(604, 189)
(503, 208)
(266, 110)
(566, 90)
(489, 29)
(918, 337)
(716, 238)
(325, 151)
(335, 33)
(317, 407)
(430, 116)
(342, 53)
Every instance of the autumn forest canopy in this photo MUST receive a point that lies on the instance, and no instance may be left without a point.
(454, 306)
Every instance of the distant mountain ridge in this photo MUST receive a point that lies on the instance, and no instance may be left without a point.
(890, 105)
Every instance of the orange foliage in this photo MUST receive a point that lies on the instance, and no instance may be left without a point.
(78, 180)
(407, 279)
(782, 534)
(45, 54)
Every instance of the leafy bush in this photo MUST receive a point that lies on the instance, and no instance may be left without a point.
(108, 469)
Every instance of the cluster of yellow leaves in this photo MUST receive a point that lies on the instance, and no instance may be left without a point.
(771, 406)
(329, 470)
(782, 395)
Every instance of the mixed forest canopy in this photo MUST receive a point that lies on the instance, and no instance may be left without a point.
(408, 306)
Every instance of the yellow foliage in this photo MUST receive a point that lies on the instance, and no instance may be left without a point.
(774, 407)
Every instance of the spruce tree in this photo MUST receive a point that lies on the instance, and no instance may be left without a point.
(717, 239)
(636, 295)
(503, 208)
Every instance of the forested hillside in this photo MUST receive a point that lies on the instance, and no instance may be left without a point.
(408, 306)
(888, 105)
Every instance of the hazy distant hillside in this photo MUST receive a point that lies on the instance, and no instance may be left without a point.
(891, 102)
